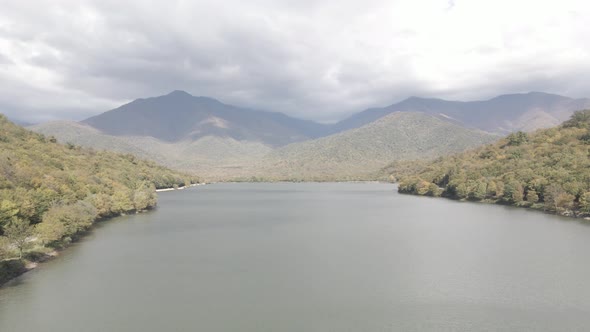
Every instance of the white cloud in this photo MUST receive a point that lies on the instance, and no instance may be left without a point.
(314, 59)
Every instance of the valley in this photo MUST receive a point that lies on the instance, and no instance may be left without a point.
(220, 142)
(227, 165)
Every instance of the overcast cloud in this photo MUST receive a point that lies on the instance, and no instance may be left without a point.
(320, 60)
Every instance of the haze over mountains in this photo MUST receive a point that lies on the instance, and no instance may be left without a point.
(220, 141)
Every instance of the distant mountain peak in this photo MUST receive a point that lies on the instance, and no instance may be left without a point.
(415, 99)
(183, 95)
(179, 93)
(180, 116)
(530, 94)
(541, 93)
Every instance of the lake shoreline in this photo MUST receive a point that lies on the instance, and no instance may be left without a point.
(568, 214)
(13, 268)
(179, 188)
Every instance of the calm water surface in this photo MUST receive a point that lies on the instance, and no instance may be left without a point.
(312, 257)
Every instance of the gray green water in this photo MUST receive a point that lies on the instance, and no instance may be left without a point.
(312, 257)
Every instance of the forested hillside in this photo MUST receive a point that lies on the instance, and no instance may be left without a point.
(213, 158)
(49, 193)
(359, 153)
(548, 169)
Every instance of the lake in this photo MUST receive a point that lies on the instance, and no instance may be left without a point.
(312, 257)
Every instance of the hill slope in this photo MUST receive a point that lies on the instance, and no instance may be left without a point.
(548, 169)
(502, 114)
(180, 116)
(357, 153)
(214, 158)
(50, 192)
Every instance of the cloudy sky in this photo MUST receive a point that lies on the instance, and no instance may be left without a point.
(316, 59)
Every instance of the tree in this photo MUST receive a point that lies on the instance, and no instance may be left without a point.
(580, 119)
(50, 230)
(517, 138)
(144, 197)
(585, 202)
(556, 199)
(103, 204)
(18, 233)
(4, 247)
(434, 190)
(531, 196)
(122, 201)
(8, 212)
(480, 191)
(491, 189)
(422, 187)
(500, 189)
(513, 192)
(67, 220)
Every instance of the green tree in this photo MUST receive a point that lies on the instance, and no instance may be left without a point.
(67, 220)
(122, 201)
(422, 187)
(513, 192)
(585, 202)
(531, 196)
(8, 212)
(580, 119)
(480, 191)
(491, 190)
(4, 248)
(103, 204)
(18, 233)
(51, 229)
(557, 199)
(144, 197)
(500, 187)
(517, 138)
(434, 190)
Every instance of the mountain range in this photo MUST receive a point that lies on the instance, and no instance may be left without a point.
(502, 114)
(222, 142)
(180, 116)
